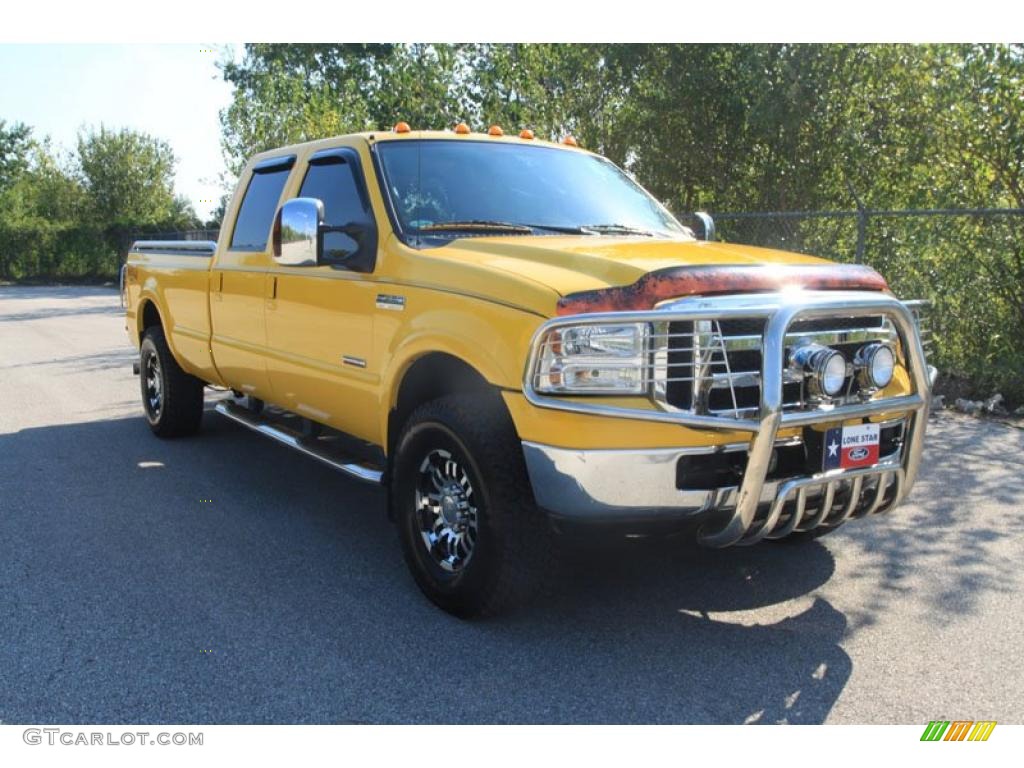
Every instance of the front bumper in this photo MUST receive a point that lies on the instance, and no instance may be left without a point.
(641, 485)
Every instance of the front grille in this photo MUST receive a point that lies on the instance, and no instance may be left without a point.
(714, 367)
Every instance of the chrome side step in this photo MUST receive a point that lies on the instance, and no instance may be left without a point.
(318, 449)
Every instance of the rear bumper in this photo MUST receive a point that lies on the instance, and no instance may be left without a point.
(641, 485)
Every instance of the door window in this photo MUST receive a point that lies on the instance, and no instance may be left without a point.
(256, 215)
(334, 183)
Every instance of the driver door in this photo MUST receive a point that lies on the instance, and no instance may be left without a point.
(320, 318)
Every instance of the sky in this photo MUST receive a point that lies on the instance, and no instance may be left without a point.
(173, 92)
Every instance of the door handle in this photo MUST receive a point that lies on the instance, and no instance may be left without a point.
(273, 287)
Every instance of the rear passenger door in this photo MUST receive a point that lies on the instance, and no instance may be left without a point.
(239, 283)
(320, 319)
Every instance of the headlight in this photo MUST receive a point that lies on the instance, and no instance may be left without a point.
(875, 364)
(824, 368)
(592, 359)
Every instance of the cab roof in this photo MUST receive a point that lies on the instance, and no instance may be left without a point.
(378, 137)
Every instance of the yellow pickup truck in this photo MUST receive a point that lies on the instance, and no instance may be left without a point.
(518, 341)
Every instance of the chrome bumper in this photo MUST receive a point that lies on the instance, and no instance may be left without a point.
(625, 485)
(641, 486)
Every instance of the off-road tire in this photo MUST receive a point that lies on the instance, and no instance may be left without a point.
(180, 408)
(513, 542)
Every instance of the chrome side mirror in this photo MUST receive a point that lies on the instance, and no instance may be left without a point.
(708, 224)
(297, 232)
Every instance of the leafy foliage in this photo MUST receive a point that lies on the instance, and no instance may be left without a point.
(69, 217)
(715, 127)
(730, 128)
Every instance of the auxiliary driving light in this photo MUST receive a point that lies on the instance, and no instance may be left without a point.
(824, 368)
(875, 364)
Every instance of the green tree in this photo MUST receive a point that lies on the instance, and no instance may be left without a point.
(15, 146)
(729, 128)
(130, 179)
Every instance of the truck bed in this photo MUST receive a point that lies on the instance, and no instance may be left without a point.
(179, 272)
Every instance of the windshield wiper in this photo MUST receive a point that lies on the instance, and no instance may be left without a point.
(482, 225)
(476, 225)
(616, 229)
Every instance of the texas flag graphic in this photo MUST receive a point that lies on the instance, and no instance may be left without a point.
(851, 447)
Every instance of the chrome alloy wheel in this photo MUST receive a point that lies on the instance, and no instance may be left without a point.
(446, 511)
(153, 386)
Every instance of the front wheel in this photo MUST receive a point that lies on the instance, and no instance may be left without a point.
(171, 398)
(469, 528)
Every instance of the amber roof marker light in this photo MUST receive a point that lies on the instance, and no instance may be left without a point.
(526, 133)
(570, 141)
(495, 130)
(402, 127)
(462, 129)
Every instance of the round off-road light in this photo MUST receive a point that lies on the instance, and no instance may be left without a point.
(875, 364)
(824, 368)
(832, 373)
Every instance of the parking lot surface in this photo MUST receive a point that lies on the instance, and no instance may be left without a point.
(225, 579)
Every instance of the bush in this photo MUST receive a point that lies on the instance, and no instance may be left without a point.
(44, 251)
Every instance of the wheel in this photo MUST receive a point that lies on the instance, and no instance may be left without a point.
(469, 528)
(171, 398)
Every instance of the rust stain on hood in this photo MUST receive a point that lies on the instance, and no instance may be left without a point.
(709, 280)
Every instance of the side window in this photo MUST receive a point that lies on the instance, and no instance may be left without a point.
(256, 216)
(334, 183)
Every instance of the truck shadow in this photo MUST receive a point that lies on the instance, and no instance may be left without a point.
(224, 579)
(962, 512)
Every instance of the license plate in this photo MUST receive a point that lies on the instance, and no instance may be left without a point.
(851, 447)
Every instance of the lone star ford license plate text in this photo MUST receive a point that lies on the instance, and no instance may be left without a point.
(851, 447)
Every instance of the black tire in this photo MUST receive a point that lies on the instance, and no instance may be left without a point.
(512, 539)
(174, 404)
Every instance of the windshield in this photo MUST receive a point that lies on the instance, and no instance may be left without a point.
(449, 189)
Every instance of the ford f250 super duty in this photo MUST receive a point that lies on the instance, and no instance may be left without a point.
(517, 341)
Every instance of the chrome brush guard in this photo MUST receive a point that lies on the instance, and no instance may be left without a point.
(761, 508)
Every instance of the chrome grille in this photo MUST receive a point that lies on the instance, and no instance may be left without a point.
(713, 367)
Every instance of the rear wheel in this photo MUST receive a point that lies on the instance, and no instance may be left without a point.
(470, 531)
(172, 399)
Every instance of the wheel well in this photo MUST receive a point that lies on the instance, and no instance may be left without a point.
(432, 376)
(150, 317)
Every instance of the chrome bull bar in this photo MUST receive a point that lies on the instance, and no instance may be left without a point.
(780, 311)
(830, 509)
(772, 418)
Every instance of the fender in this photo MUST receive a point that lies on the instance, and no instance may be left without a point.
(489, 338)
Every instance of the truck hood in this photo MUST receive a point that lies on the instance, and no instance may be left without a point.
(566, 275)
(572, 264)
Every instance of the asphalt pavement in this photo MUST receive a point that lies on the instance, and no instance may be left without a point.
(226, 579)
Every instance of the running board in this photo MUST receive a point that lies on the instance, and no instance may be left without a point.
(318, 449)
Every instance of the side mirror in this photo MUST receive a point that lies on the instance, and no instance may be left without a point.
(352, 246)
(297, 232)
(708, 224)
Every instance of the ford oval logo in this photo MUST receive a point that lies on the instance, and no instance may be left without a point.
(858, 453)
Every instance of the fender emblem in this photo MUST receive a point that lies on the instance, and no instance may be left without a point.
(389, 301)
